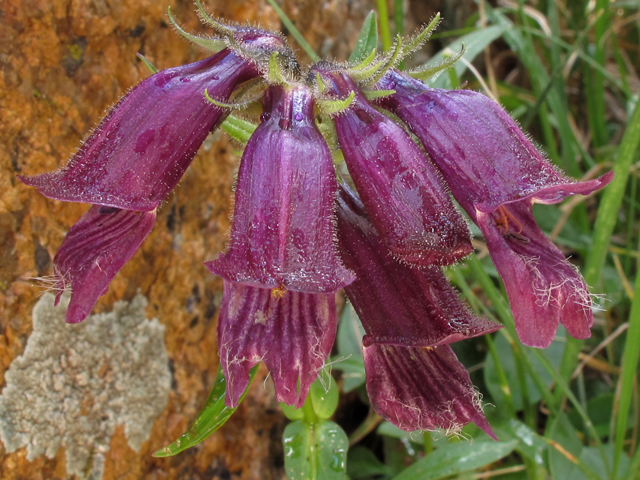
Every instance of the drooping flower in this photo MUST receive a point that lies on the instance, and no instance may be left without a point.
(94, 250)
(283, 228)
(496, 174)
(402, 191)
(143, 146)
(292, 332)
(136, 156)
(410, 314)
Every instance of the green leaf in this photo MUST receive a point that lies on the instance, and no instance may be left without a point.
(349, 343)
(456, 458)
(213, 415)
(367, 38)
(291, 412)
(315, 452)
(332, 445)
(564, 434)
(475, 43)
(531, 445)
(364, 464)
(591, 458)
(297, 443)
(508, 363)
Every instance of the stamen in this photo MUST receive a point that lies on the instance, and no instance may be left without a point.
(278, 292)
(502, 222)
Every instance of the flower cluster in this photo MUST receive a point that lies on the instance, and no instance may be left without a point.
(300, 233)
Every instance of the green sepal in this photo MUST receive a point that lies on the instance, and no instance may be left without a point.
(331, 107)
(213, 44)
(395, 58)
(217, 26)
(430, 70)
(320, 83)
(374, 94)
(230, 106)
(147, 63)
(417, 41)
(275, 75)
(213, 415)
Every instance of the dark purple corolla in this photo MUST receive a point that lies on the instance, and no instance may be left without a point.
(292, 332)
(135, 157)
(402, 191)
(141, 149)
(410, 315)
(283, 232)
(282, 266)
(496, 174)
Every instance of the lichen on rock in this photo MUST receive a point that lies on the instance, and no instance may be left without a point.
(75, 383)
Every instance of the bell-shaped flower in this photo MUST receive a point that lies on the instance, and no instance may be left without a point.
(292, 332)
(141, 149)
(94, 250)
(136, 156)
(410, 314)
(403, 193)
(496, 174)
(283, 226)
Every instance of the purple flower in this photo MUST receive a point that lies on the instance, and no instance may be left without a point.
(283, 227)
(135, 157)
(402, 191)
(93, 251)
(141, 149)
(410, 314)
(496, 174)
(291, 332)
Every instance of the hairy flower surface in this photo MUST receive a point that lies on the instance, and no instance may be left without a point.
(135, 157)
(496, 174)
(410, 314)
(283, 232)
(291, 332)
(402, 191)
(141, 149)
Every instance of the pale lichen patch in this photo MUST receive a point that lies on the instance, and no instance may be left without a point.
(75, 383)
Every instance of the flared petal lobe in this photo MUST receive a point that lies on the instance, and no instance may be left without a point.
(94, 250)
(544, 289)
(398, 303)
(486, 159)
(291, 332)
(141, 149)
(283, 232)
(422, 388)
(496, 174)
(401, 190)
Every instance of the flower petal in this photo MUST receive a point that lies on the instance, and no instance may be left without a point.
(486, 158)
(544, 289)
(283, 231)
(94, 250)
(398, 303)
(401, 190)
(292, 333)
(141, 149)
(422, 388)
